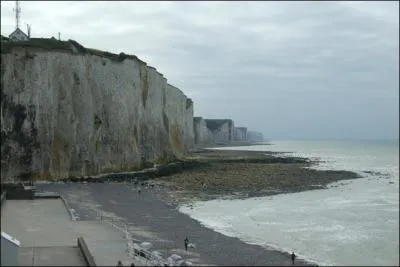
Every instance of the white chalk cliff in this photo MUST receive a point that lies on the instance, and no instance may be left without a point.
(69, 114)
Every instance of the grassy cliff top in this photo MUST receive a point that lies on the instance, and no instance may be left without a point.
(71, 46)
(44, 43)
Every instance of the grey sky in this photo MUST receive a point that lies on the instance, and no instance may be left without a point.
(287, 69)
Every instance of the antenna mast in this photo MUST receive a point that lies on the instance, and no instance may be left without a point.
(29, 30)
(17, 10)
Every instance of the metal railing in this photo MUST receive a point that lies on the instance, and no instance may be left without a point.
(134, 250)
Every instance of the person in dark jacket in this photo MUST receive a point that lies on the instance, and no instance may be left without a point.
(293, 258)
(186, 243)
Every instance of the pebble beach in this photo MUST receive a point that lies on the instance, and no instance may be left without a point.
(152, 215)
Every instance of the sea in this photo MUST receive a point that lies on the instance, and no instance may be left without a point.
(353, 222)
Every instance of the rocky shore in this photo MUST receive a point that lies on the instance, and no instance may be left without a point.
(147, 200)
(208, 174)
(242, 174)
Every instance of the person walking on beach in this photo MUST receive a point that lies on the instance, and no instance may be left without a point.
(293, 258)
(186, 243)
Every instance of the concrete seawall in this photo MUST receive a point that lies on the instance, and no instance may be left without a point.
(86, 252)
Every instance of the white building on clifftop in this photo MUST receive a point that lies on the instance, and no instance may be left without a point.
(18, 35)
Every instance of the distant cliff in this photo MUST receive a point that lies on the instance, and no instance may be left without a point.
(71, 111)
(202, 135)
(222, 130)
(255, 136)
(240, 133)
(213, 131)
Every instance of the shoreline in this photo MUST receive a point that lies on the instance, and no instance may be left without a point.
(234, 174)
(209, 173)
(305, 261)
(150, 219)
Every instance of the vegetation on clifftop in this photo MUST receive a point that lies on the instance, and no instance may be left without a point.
(189, 103)
(52, 44)
(43, 43)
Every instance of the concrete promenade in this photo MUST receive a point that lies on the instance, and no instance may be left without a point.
(49, 236)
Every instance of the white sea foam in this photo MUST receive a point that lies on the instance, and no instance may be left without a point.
(354, 222)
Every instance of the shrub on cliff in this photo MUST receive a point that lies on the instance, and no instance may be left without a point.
(80, 48)
(54, 44)
(189, 103)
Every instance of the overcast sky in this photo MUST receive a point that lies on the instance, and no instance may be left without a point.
(286, 69)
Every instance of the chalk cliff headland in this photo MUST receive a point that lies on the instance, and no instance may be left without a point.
(71, 111)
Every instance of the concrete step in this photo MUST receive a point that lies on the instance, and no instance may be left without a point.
(39, 195)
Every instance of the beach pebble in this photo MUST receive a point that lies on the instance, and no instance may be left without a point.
(157, 253)
(170, 262)
(146, 245)
(180, 263)
(173, 259)
(187, 263)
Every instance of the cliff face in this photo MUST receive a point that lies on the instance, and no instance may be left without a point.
(255, 136)
(189, 126)
(240, 133)
(202, 135)
(222, 130)
(65, 114)
(178, 115)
